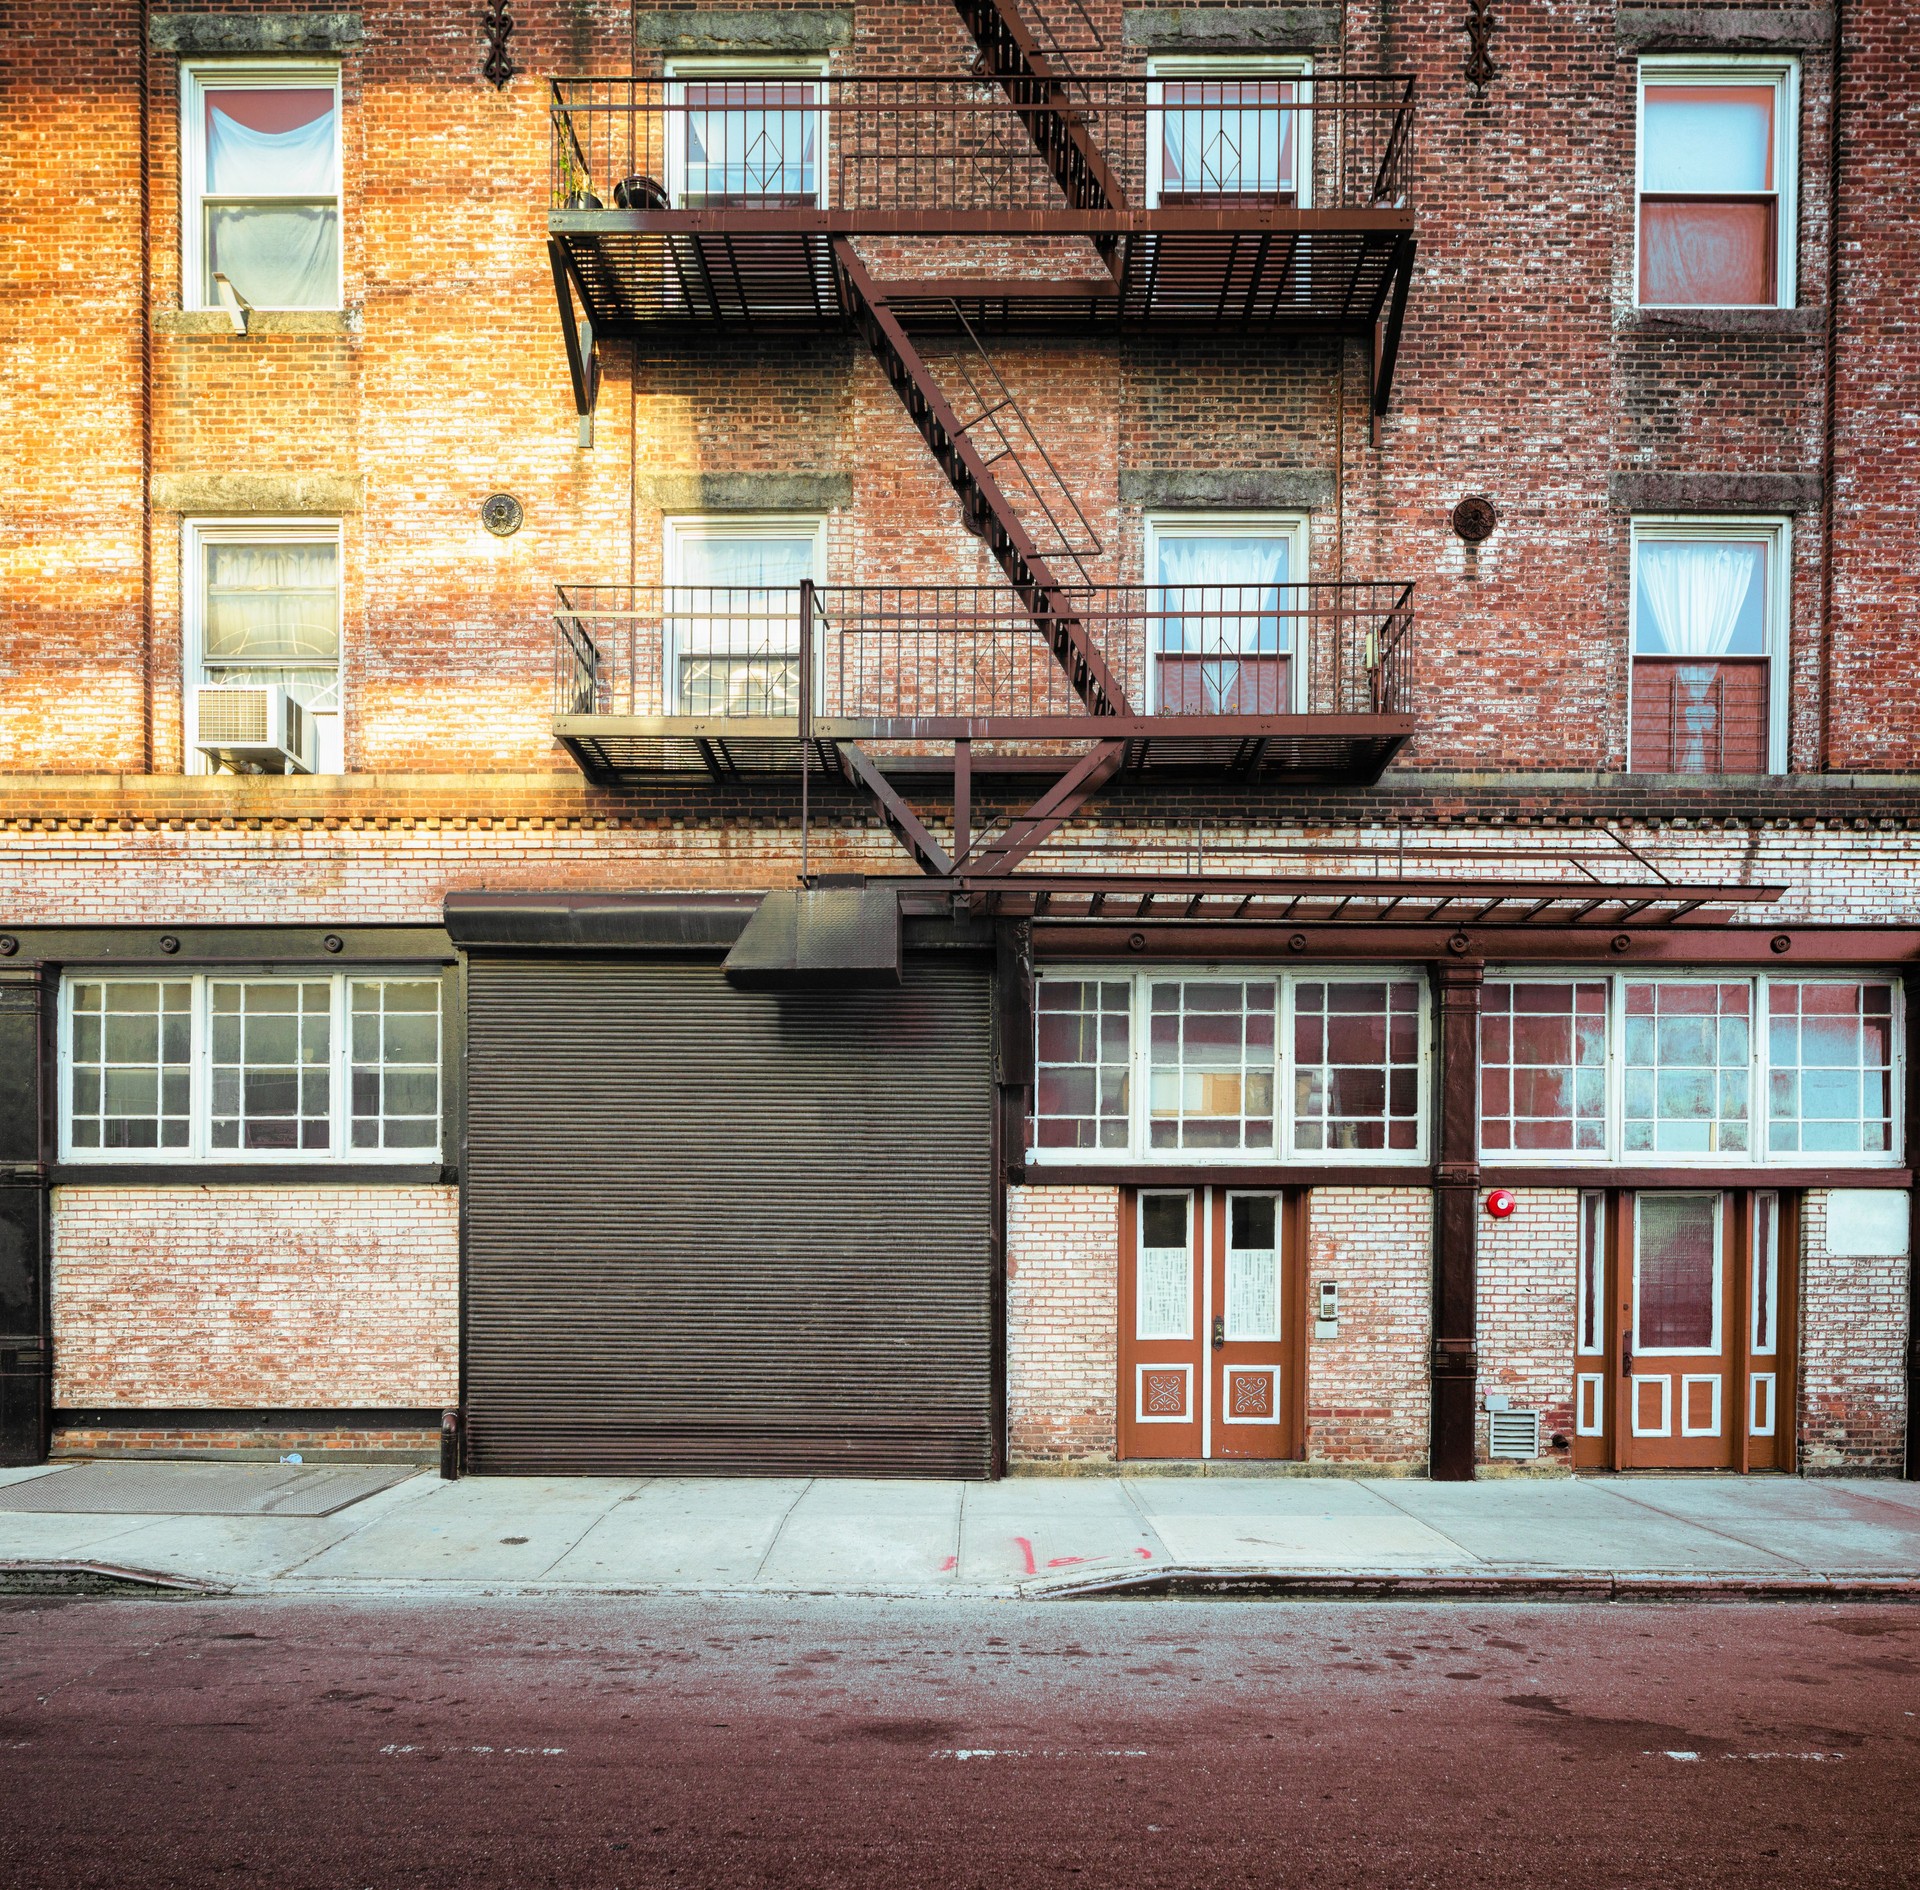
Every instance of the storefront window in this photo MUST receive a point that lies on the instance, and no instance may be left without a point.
(1356, 1051)
(1543, 1067)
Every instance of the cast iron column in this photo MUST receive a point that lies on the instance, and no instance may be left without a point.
(1456, 1208)
(26, 1350)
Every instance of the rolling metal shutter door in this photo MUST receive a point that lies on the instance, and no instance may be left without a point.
(712, 1230)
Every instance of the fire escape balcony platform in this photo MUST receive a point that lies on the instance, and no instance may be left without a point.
(1310, 681)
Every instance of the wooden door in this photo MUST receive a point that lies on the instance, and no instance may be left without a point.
(1212, 1302)
(1253, 1328)
(1677, 1368)
(1163, 1375)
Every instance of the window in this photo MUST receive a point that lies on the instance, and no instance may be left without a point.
(238, 1068)
(263, 606)
(1229, 1065)
(1227, 132)
(1688, 1063)
(1673, 1069)
(1080, 1077)
(1708, 629)
(1543, 1066)
(1830, 1057)
(1717, 168)
(1213, 1061)
(1224, 613)
(1356, 1053)
(744, 134)
(733, 629)
(260, 159)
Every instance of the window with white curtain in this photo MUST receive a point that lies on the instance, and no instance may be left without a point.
(1225, 613)
(263, 606)
(733, 612)
(260, 185)
(1229, 130)
(1709, 626)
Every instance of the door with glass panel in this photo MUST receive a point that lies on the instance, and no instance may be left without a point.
(732, 623)
(1209, 1321)
(1224, 619)
(1683, 1331)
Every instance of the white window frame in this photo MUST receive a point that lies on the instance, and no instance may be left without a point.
(196, 534)
(1181, 66)
(199, 1150)
(1731, 69)
(1777, 530)
(1759, 1153)
(1640, 1351)
(777, 68)
(1295, 527)
(1138, 1152)
(682, 528)
(219, 74)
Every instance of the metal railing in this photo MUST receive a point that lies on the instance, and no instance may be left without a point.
(943, 144)
(931, 651)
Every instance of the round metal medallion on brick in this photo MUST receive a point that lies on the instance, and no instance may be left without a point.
(501, 513)
(1474, 519)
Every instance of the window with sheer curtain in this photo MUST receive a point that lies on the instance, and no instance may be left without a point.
(1715, 166)
(263, 156)
(735, 617)
(1222, 618)
(267, 610)
(1703, 608)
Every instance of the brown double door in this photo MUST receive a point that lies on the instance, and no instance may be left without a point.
(1683, 1330)
(1212, 1299)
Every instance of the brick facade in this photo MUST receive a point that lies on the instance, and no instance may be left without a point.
(1062, 1302)
(1853, 1343)
(1526, 1309)
(222, 1297)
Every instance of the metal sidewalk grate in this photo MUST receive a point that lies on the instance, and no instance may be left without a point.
(199, 1489)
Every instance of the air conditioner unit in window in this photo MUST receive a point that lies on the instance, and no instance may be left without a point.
(1513, 1434)
(255, 727)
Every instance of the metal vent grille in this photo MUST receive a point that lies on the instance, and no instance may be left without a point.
(236, 715)
(1513, 1434)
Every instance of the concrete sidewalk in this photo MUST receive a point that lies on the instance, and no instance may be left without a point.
(278, 1530)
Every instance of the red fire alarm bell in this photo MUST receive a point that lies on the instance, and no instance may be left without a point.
(1500, 1203)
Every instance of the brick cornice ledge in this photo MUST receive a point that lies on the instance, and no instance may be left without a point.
(1707, 492)
(1724, 29)
(192, 33)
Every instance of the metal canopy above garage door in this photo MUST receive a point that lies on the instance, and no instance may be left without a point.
(715, 1230)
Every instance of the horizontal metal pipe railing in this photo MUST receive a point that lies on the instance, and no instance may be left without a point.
(957, 143)
(927, 651)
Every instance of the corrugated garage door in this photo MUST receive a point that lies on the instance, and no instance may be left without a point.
(719, 1230)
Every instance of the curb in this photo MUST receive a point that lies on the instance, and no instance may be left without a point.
(1545, 1585)
(98, 1578)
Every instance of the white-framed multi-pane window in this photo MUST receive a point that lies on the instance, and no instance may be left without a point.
(745, 133)
(1708, 1069)
(1224, 1064)
(1708, 618)
(732, 620)
(262, 605)
(1229, 130)
(1226, 617)
(1717, 169)
(260, 183)
(244, 1066)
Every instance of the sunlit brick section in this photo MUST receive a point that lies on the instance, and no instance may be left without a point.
(1063, 1249)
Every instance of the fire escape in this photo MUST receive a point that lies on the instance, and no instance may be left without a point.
(1268, 206)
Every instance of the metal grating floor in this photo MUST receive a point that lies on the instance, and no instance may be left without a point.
(200, 1489)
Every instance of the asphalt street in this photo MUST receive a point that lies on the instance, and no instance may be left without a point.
(756, 1741)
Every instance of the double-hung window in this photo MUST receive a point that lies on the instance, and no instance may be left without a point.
(1227, 1065)
(745, 134)
(1717, 158)
(1229, 132)
(733, 613)
(260, 152)
(235, 1067)
(263, 606)
(1703, 1070)
(1226, 613)
(1709, 627)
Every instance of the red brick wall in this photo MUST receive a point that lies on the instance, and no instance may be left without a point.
(1853, 1334)
(290, 1297)
(1367, 1386)
(1062, 1302)
(1525, 1341)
